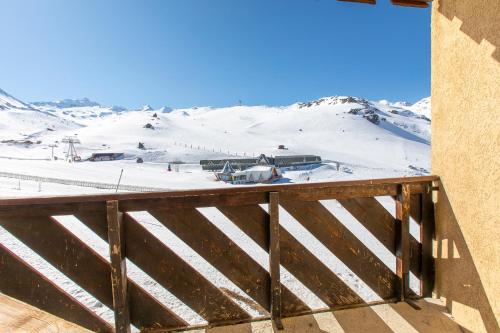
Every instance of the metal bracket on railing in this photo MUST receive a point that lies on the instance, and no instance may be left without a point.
(430, 188)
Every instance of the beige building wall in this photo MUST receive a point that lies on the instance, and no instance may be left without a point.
(466, 155)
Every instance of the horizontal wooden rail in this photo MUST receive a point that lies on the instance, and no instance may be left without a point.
(61, 205)
(233, 190)
(33, 222)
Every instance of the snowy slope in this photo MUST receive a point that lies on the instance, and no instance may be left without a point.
(368, 139)
(83, 111)
(9, 102)
(20, 121)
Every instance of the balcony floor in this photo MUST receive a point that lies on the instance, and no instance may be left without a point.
(16, 316)
(400, 318)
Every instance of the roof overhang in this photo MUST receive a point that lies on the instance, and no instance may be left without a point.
(407, 3)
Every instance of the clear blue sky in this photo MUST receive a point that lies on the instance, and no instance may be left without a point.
(184, 53)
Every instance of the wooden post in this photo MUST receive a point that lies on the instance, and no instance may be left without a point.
(118, 267)
(274, 259)
(403, 239)
(427, 236)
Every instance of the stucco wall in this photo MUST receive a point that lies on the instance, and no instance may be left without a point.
(466, 155)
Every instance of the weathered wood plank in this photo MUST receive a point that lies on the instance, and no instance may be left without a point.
(374, 217)
(253, 221)
(49, 209)
(19, 280)
(170, 271)
(88, 269)
(175, 275)
(380, 223)
(116, 237)
(294, 257)
(427, 235)
(219, 250)
(258, 197)
(58, 205)
(274, 259)
(416, 207)
(403, 240)
(342, 192)
(314, 274)
(344, 245)
(68, 205)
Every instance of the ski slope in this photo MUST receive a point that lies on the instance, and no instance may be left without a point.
(370, 139)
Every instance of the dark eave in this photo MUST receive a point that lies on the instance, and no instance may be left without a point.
(407, 3)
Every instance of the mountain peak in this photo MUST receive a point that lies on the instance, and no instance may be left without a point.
(147, 107)
(68, 103)
(166, 109)
(333, 100)
(422, 107)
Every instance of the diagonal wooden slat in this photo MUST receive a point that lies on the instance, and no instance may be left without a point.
(219, 250)
(21, 281)
(89, 270)
(290, 303)
(370, 213)
(380, 223)
(344, 245)
(175, 275)
(169, 270)
(254, 221)
(314, 274)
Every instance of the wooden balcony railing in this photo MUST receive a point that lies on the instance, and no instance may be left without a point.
(33, 222)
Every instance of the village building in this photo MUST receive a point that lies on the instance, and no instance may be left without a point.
(255, 174)
(226, 173)
(277, 161)
(106, 156)
(296, 160)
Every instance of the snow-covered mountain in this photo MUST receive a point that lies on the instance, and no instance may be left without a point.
(368, 138)
(422, 107)
(20, 121)
(9, 102)
(81, 110)
(67, 103)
